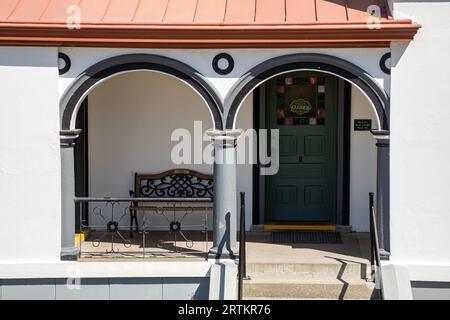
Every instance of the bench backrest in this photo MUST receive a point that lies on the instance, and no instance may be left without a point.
(177, 183)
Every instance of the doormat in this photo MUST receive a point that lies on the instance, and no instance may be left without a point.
(307, 237)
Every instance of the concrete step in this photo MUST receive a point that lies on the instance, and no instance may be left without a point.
(308, 289)
(308, 270)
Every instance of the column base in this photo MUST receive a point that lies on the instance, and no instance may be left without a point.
(384, 255)
(70, 254)
(215, 254)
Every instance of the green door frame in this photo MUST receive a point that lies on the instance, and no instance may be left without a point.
(343, 154)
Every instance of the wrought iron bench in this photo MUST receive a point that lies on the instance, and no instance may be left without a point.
(183, 185)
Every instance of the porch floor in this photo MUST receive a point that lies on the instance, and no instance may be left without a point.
(156, 245)
(354, 249)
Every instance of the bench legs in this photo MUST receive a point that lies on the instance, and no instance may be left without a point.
(133, 217)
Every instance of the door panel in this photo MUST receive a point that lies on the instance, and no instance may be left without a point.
(302, 106)
(288, 146)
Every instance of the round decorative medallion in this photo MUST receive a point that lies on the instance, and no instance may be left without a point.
(383, 61)
(112, 226)
(218, 61)
(175, 226)
(67, 63)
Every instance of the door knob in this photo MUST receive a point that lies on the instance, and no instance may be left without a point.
(300, 159)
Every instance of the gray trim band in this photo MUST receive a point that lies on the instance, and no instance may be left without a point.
(318, 62)
(106, 68)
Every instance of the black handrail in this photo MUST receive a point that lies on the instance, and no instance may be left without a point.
(375, 260)
(242, 272)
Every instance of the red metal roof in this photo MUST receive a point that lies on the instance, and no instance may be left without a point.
(217, 22)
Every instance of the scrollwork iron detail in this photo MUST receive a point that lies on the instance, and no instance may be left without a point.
(177, 186)
(110, 228)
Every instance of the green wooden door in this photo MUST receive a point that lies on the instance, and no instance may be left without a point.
(303, 106)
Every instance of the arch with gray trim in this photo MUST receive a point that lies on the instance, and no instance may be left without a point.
(305, 61)
(349, 72)
(78, 91)
(86, 82)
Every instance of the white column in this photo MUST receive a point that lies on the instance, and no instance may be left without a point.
(69, 250)
(382, 195)
(225, 195)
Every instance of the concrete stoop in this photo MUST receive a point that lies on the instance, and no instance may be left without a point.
(308, 270)
(308, 280)
(308, 289)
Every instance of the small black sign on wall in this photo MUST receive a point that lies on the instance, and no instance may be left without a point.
(362, 125)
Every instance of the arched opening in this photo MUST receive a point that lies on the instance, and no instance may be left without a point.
(130, 121)
(127, 112)
(327, 138)
(357, 81)
(327, 112)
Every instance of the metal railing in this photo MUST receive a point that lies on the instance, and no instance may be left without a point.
(242, 272)
(375, 260)
(105, 228)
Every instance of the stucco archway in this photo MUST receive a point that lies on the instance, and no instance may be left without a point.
(347, 71)
(82, 86)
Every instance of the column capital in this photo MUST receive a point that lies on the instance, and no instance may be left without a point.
(225, 138)
(382, 137)
(68, 137)
(381, 134)
(224, 134)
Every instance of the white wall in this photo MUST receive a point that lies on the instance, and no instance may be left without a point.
(131, 119)
(420, 144)
(29, 139)
(30, 184)
(363, 162)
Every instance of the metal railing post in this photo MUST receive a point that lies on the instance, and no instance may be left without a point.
(375, 259)
(242, 272)
(371, 229)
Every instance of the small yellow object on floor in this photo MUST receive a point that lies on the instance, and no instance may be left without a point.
(80, 237)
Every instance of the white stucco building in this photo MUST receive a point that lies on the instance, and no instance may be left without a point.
(91, 92)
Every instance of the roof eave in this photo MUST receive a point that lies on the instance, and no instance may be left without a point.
(212, 36)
